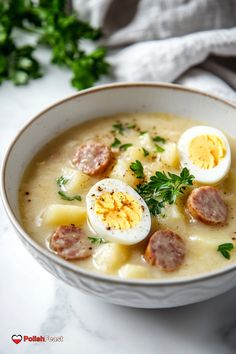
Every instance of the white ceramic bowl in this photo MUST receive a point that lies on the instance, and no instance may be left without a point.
(102, 101)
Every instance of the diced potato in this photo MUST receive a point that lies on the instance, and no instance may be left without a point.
(77, 180)
(58, 214)
(131, 271)
(109, 257)
(123, 172)
(170, 156)
(146, 142)
(173, 212)
(173, 218)
(135, 153)
(208, 239)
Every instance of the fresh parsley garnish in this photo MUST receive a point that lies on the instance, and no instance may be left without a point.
(142, 132)
(164, 188)
(121, 128)
(159, 139)
(124, 147)
(158, 148)
(225, 248)
(61, 181)
(137, 168)
(145, 152)
(116, 143)
(65, 196)
(132, 126)
(54, 27)
(97, 240)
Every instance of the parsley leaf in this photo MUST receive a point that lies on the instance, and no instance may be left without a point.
(97, 240)
(124, 147)
(119, 127)
(137, 168)
(158, 148)
(132, 126)
(164, 188)
(116, 143)
(61, 181)
(145, 152)
(64, 196)
(225, 248)
(142, 132)
(159, 139)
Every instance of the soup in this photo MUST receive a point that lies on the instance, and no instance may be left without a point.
(136, 196)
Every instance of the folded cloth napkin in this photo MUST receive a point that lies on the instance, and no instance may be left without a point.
(162, 40)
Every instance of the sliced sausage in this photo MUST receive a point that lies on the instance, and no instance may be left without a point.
(92, 158)
(70, 243)
(165, 250)
(206, 204)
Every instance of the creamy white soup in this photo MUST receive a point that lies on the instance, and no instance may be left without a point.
(145, 195)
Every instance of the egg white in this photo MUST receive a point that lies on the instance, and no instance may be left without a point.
(127, 236)
(206, 176)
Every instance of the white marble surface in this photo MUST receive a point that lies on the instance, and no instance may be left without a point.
(32, 302)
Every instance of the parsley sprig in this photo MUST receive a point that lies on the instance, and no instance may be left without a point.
(55, 28)
(97, 240)
(137, 168)
(121, 128)
(159, 139)
(164, 188)
(61, 181)
(225, 248)
(65, 196)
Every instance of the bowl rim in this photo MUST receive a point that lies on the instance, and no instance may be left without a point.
(75, 268)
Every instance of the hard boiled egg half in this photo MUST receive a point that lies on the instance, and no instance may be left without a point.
(205, 151)
(117, 212)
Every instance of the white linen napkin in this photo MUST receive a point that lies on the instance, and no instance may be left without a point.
(161, 40)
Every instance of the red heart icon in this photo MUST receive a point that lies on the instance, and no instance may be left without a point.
(16, 339)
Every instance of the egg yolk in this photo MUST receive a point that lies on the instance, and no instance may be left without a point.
(118, 210)
(206, 151)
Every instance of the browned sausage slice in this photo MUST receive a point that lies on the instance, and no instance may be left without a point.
(92, 158)
(165, 250)
(206, 204)
(70, 243)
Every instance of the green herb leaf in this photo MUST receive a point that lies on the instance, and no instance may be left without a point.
(116, 143)
(164, 188)
(158, 148)
(124, 147)
(132, 126)
(61, 181)
(119, 127)
(159, 139)
(64, 196)
(97, 240)
(145, 152)
(225, 248)
(122, 127)
(137, 168)
(142, 132)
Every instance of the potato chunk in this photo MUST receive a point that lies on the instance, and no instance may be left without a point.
(135, 153)
(170, 156)
(131, 271)
(77, 180)
(146, 142)
(109, 257)
(123, 172)
(58, 214)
